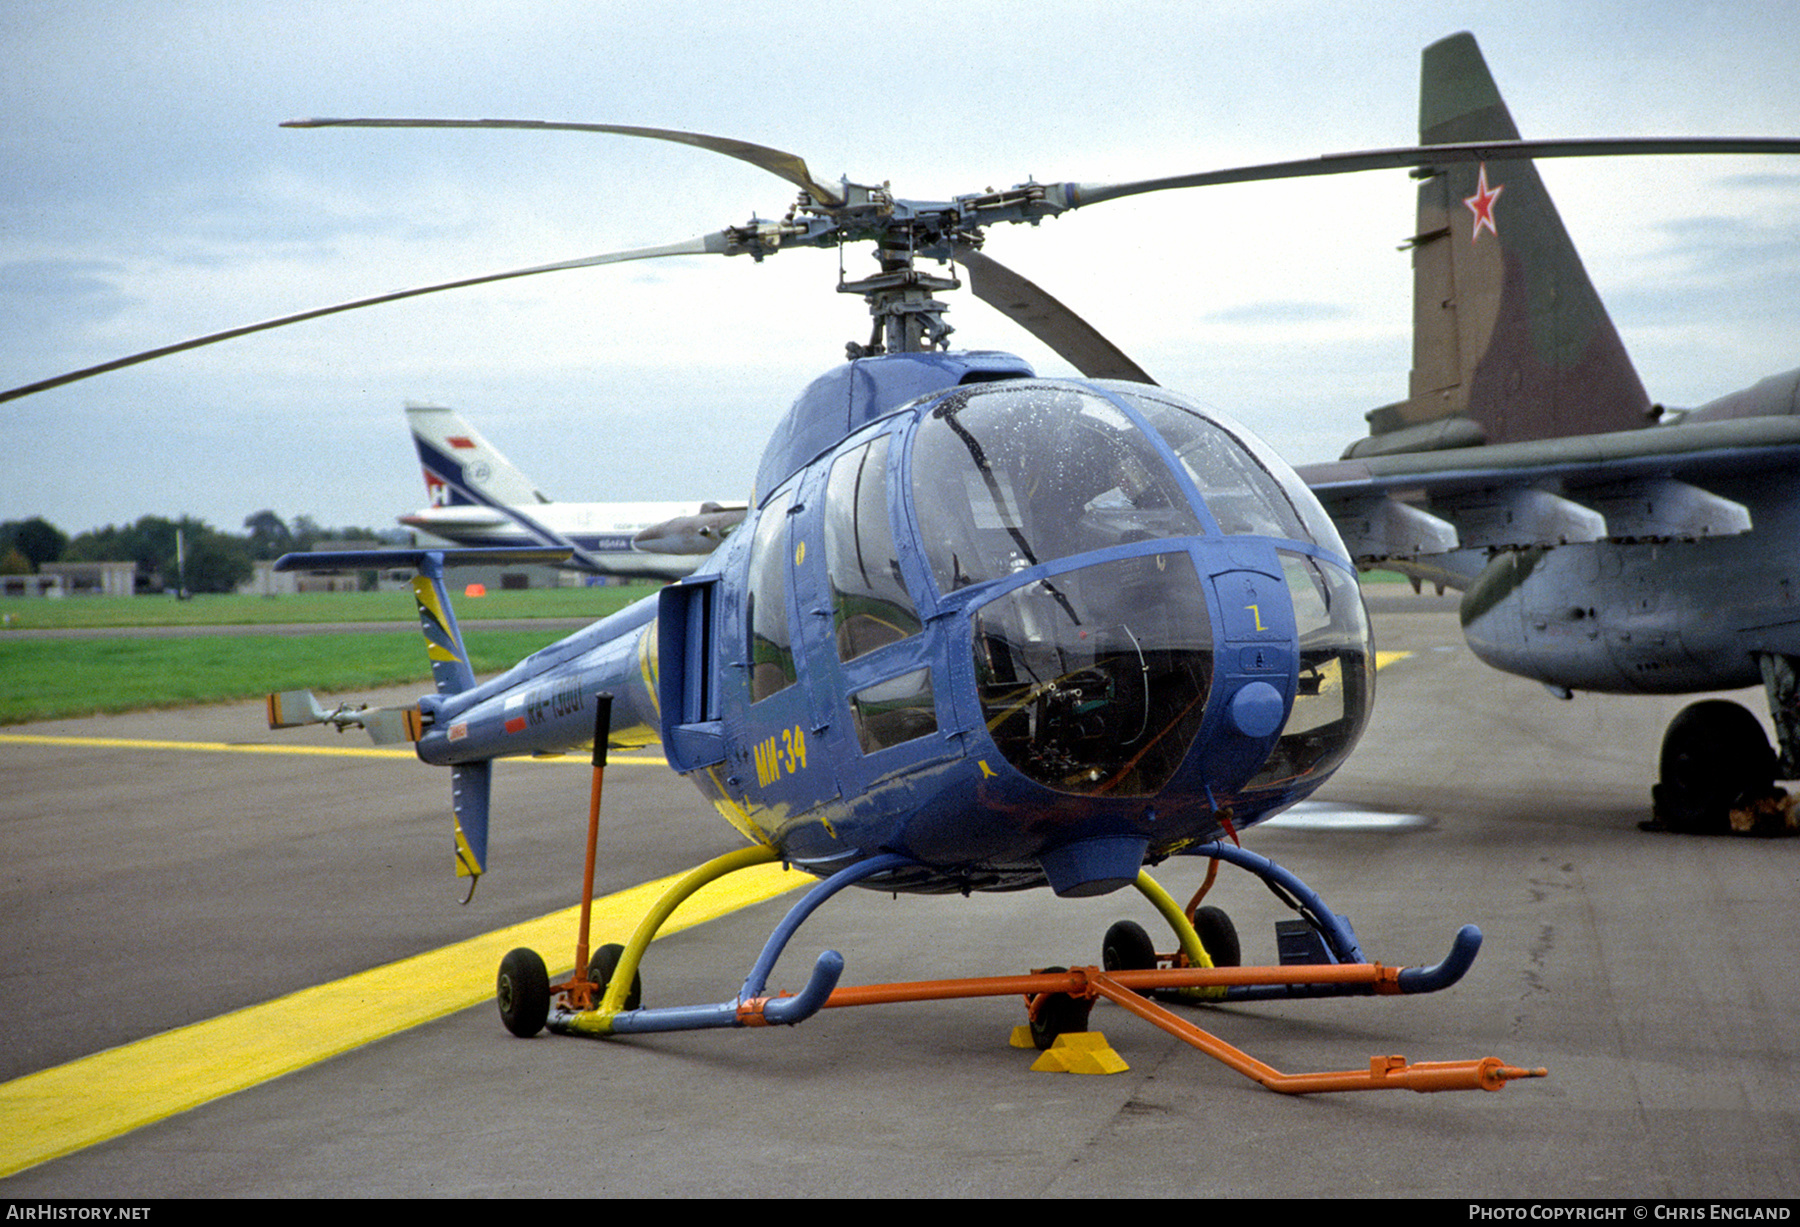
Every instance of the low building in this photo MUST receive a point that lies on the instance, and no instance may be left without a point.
(91, 578)
(31, 585)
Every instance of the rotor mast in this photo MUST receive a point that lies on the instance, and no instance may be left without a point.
(907, 319)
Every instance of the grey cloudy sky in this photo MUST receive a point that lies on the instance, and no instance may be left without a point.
(149, 195)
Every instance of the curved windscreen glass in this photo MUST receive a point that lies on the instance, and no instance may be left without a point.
(1246, 486)
(1095, 680)
(1337, 673)
(1007, 476)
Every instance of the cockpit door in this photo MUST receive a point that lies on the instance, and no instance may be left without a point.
(786, 763)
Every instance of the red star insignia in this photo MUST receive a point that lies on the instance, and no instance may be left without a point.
(1481, 204)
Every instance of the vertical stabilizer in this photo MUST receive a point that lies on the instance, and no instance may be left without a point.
(470, 784)
(1508, 333)
(450, 667)
(462, 468)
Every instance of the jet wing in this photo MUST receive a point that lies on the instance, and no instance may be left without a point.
(1438, 515)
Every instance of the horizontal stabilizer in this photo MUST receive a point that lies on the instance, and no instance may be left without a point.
(465, 517)
(1440, 434)
(390, 726)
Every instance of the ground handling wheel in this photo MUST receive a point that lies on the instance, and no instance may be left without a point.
(600, 972)
(522, 991)
(1054, 1014)
(1219, 936)
(1127, 947)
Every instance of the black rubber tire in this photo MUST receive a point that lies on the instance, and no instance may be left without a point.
(1715, 758)
(1219, 936)
(600, 970)
(1055, 1014)
(1127, 948)
(522, 991)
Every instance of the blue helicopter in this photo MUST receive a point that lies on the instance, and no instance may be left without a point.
(979, 631)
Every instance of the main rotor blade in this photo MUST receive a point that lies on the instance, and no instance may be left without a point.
(789, 166)
(1044, 317)
(1431, 155)
(708, 244)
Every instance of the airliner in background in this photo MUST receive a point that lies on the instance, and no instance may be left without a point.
(477, 497)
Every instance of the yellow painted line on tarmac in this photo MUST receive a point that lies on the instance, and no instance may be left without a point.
(56, 1112)
(242, 747)
(1384, 659)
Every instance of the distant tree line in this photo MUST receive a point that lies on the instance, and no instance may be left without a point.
(212, 561)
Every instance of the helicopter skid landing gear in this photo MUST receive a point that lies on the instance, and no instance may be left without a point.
(1058, 1001)
(1318, 937)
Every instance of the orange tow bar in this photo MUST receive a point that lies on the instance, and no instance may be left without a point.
(1127, 989)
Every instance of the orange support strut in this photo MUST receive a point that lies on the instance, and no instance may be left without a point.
(582, 993)
(1125, 989)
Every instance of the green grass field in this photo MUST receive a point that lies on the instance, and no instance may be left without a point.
(101, 611)
(46, 679)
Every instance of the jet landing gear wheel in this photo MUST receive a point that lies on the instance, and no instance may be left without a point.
(1715, 759)
(600, 972)
(522, 992)
(1054, 1014)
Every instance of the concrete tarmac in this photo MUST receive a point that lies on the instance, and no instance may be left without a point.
(145, 888)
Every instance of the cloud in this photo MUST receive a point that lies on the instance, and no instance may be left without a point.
(1283, 311)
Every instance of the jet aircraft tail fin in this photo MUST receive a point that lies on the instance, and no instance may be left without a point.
(1510, 341)
(461, 467)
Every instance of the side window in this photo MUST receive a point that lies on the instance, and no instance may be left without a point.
(869, 602)
(771, 642)
(894, 711)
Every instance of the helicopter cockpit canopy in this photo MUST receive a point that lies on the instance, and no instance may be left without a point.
(1096, 520)
(1025, 475)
